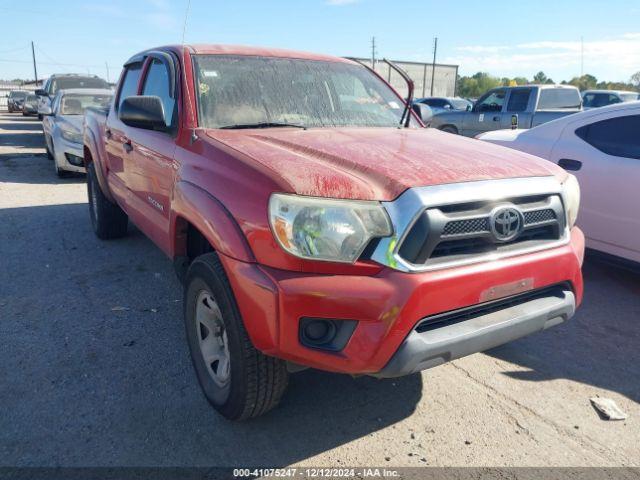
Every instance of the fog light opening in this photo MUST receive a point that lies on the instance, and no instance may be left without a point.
(326, 334)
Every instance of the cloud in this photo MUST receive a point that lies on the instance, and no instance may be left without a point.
(614, 58)
(339, 3)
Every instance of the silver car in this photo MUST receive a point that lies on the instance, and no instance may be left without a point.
(62, 125)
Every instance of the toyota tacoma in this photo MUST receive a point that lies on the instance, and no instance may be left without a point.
(314, 222)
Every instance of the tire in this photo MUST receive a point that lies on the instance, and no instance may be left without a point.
(107, 219)
(253, 383)
(59, 172)
(49, 152)
(450, 129)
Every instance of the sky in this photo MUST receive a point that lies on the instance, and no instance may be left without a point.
(507, 38)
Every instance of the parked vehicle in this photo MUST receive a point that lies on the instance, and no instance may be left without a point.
(310, 230)
(501, 107)
(30, 105)
(602, 148)
(602, 98)
(60, 81)
(62, 124)
(445, 104)
(439, 105)
(15, 100)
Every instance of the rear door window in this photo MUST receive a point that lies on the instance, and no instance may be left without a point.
(518, 100)
(129, 86)
(619, 137)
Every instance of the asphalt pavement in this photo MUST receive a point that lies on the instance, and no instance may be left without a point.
(95, 368)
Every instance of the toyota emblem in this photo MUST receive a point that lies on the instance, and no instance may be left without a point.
(506, 223)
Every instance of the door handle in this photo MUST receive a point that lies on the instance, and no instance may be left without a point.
(569, 164)
(107, 133)
(127, 146)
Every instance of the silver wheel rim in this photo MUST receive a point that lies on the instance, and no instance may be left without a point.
(212, 339)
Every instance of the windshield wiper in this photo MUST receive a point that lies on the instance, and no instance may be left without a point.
(263, 125)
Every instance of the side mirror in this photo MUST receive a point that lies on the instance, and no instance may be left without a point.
(143, 111)
(41, 93)
(46, 110)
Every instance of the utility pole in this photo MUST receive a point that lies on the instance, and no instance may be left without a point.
(373, 52)
(35, 70)
(107, 65)
(581, 56)
(433, 67)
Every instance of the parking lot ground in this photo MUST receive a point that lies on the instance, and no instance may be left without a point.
(95, 369)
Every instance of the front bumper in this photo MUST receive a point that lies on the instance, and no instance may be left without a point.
(388, 306)
(67, 152)
(457, 334)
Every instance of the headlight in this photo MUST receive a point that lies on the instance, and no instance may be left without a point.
(326, 229)
(571, 190)
(73, 137)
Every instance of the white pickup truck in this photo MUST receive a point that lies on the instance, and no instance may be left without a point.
(511, 107)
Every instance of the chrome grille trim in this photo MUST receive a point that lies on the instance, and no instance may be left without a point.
(408, 208)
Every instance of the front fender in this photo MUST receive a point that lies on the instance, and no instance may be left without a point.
(91, 146)
(206, 213)
(449, 118)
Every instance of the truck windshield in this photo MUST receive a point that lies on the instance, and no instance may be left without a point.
(76, 104)
(559, 99)
(21, 95)
(245, 91)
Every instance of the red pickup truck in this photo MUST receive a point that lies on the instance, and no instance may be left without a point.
(313, 225)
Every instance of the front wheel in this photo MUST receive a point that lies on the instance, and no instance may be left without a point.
(238, 380)
(107, 219)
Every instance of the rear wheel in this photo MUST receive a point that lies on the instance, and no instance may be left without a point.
(47, 142)
(107, 218)
(450, 129)
(238, 380)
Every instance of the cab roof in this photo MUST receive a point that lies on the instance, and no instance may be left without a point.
(213, 49)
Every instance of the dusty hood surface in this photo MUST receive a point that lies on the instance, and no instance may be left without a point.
(376, 163)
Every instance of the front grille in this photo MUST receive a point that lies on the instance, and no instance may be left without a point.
(539, 216)
(459, 227)
(450, 233)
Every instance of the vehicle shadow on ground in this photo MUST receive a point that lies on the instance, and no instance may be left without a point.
(112, 366)
(21, 124)
(602, 353)
(33, 168)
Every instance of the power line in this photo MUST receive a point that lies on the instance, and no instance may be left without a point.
(11, 50)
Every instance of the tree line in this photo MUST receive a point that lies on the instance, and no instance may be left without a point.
(476, 85)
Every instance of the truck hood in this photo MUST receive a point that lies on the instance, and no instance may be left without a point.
(375, 163)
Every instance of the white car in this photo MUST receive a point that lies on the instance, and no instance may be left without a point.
(601, 147)
(62, 124)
